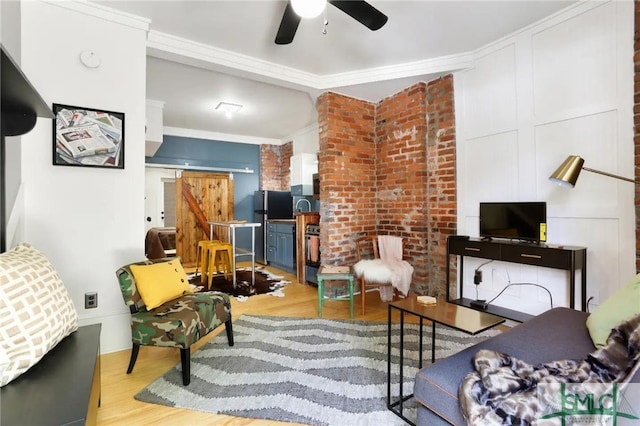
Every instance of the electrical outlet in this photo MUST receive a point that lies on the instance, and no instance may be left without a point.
(90, 300)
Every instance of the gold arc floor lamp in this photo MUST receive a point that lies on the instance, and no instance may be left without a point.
(567, 174)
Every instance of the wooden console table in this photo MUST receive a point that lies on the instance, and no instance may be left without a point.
(568, 258)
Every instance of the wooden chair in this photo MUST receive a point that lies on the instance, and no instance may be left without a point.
(367, 249)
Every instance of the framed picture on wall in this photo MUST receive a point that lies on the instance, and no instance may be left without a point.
(87, 137)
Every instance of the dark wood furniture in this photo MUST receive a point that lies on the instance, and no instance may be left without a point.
(62, 389)
(568, 258)
(20, 106)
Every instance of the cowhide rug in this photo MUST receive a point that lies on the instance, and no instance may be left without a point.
(265, 282)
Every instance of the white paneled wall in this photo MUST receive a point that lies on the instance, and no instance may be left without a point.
(563, 86)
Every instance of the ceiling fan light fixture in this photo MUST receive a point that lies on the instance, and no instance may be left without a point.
(308, 8)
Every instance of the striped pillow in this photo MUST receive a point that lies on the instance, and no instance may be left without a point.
(36, 311)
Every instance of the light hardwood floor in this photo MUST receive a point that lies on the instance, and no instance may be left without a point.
(118, 388)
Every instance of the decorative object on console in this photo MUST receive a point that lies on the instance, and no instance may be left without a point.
(35, 307)
(87, 137)
(567, 174)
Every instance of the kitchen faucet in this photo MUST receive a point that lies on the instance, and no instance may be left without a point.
(302, 199)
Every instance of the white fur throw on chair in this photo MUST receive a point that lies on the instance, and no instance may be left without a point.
(396, 273)
(374, 271)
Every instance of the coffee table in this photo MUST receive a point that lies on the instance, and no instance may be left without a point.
(458, 317)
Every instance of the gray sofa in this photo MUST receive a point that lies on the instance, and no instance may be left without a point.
(558, 333)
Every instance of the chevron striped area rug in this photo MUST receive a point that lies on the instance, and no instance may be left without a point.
(311, 371)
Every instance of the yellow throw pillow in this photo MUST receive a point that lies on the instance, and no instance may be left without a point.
(622, 305)
(160, 282)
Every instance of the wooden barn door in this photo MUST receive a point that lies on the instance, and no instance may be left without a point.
(200, 198)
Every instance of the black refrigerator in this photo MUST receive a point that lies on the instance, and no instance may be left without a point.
(269, 205)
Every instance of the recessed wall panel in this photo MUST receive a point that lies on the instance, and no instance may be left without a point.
(491, 170)
(490, 94)
(593, 138)
(573, 65)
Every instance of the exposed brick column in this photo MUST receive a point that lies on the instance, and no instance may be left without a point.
(346, 164)
(441, 175)
(286, 151)
(636, 122)
(390, 169)
(401, 163)
(274, 166)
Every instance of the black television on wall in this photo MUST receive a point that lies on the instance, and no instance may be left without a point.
(526, 221)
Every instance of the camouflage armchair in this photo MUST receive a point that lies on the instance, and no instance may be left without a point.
(178, 323)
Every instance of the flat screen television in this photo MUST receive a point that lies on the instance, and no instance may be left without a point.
(525, 221)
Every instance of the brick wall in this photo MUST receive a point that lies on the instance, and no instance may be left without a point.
(441, 177)
(401, 175)
(636, 122)
(346, 165)
(389, 168)
(274, 166)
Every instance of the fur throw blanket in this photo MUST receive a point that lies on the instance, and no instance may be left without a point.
(507, 391)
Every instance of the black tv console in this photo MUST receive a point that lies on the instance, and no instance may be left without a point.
(568, 258)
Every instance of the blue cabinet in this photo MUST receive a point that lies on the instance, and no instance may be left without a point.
(280, 245)
(271, 243)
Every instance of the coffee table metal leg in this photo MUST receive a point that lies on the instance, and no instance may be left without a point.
(433, 342)
(397, 407)
(389, 358)
(401, 360)
(420, 346)
(320, 296)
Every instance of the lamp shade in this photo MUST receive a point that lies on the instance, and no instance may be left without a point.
(567, 174)
(308, 8)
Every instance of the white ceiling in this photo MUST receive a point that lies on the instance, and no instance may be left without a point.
(204, 52)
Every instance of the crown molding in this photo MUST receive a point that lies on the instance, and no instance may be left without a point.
(304, 130)
(98, 11)
(439, 65)
(169, 47)
(217, 136)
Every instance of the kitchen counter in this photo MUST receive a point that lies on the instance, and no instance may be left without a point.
(296, 214)
(290, 221)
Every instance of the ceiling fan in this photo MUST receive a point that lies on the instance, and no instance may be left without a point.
(359, 10)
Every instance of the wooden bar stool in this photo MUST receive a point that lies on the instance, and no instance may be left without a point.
(334, 273)
(219, 260)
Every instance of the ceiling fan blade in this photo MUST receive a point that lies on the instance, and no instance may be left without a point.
(288, 26)
(362, 12)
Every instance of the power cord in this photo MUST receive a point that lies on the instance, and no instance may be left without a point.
(477, 276)
(513, 284)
